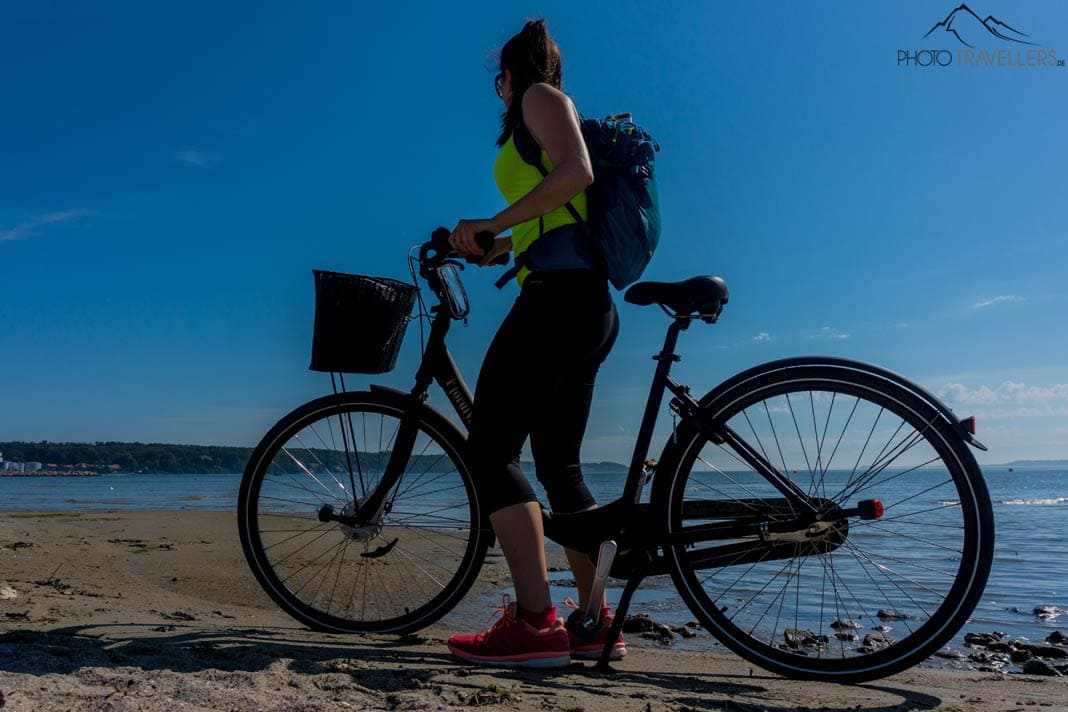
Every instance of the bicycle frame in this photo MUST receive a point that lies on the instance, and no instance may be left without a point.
(580, 530)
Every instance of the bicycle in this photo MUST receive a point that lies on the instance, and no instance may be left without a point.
(358, 514)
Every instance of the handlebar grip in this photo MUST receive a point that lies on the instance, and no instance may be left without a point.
(485, 240)
(439, 242)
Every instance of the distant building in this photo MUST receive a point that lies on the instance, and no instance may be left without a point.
(8, 466)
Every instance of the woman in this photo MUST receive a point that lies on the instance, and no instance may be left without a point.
(538, 374)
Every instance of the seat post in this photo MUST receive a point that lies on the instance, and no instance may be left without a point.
(664, 359)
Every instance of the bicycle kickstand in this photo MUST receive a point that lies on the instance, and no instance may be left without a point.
(633, 582)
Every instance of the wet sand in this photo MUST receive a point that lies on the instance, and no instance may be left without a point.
(158, 611)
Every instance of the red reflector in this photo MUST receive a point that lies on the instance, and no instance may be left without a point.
(870, 509)
(969, 424)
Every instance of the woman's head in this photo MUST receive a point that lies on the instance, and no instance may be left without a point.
(528, 58)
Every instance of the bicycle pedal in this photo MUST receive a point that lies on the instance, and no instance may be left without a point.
(585, 627)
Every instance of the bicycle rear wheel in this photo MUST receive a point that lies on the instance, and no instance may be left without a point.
(850, 598)
(403, 570)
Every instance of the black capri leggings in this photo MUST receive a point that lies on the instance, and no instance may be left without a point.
(537, 381)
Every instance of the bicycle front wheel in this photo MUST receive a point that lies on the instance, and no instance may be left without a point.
(403, 569)
(848, 597)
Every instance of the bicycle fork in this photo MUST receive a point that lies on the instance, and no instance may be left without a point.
(372, 508)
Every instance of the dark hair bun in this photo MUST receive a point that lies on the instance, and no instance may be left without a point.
(532, 57)
(536, 29)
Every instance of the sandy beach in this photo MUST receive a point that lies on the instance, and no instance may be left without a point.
(158, 611)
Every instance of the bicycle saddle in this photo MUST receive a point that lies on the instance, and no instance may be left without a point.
(701, 296)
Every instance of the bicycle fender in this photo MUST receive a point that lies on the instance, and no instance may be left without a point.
(740, 380)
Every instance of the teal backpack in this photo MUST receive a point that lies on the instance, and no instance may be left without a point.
(624, 215)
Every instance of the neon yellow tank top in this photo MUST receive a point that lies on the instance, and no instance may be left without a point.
(515, 178)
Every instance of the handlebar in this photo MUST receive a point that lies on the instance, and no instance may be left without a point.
(439, 243)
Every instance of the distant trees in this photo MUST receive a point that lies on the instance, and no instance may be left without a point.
(132, 457)
(206, 459)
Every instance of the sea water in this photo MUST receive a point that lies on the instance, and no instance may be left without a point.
(1030, 567)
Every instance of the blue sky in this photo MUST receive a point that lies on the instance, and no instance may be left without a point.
(170, 174)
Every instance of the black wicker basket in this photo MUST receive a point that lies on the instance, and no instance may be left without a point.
(359, 322)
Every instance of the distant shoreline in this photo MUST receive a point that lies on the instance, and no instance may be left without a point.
(52, 473)
(601, 468)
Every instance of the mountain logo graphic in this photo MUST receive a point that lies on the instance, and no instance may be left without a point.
(968, 28)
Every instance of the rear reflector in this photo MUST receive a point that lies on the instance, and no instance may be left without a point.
(870, 509)
(969, 424)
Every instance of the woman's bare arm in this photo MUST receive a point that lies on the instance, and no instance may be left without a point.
(553, 121)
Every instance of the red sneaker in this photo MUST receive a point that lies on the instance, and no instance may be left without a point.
(583, 648)
(514, 642)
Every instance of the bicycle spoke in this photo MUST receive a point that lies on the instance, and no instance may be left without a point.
(337, 576)
(841, 435)
(807, 595)
(420, 567)
(312, 505)
(280, 483)
(355, 453)
(867, 441)
(418, 580)
(778, 597)
(301, 548)
(775, 436)
(899, 517)
(863, 567)
(800, 440)
(756, 437)
(840, 611)
(873, 472)
(416, 485)
(820, 439)
(325, 469)
(286, 579)
(886, 571)
(733, 481)
(898, 503)
(308, 472)
(737, 580)
(338, 549)
(303, 532)
(927, 542)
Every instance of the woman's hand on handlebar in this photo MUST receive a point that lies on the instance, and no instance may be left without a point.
(501, 246)
(462, 239)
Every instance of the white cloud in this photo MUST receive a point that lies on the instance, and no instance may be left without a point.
(996, 300)
(829, 332)
(762, 336)
(1007, 392)
(29, 228)
(195, 157)
(1009, 400)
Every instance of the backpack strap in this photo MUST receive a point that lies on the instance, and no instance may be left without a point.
(530, 152)
(518, 263)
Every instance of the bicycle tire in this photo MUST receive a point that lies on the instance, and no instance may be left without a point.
(399, 574)
(913, 575)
